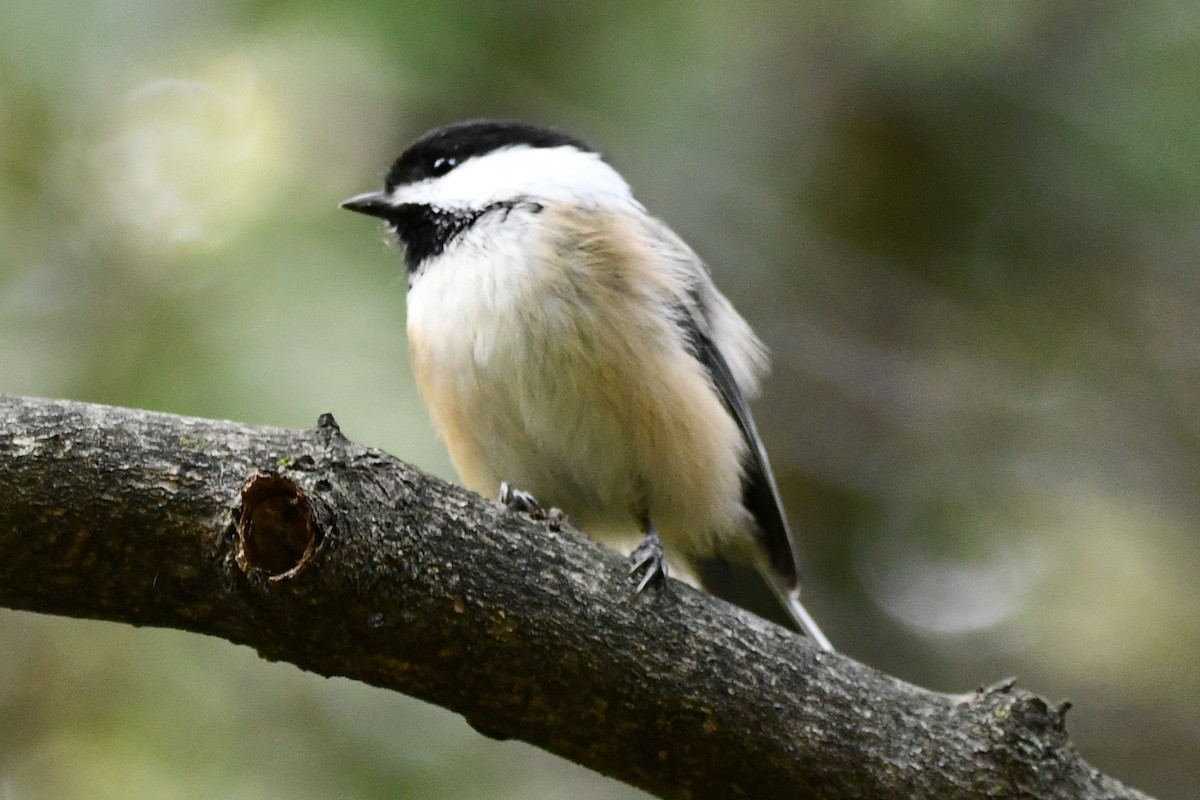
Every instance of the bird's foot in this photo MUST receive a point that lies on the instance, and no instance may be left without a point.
(647, 558)
(521, 500)
(556, 518)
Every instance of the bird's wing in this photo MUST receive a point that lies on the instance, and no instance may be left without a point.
(760, 495)
(716, 335)
(734, 359)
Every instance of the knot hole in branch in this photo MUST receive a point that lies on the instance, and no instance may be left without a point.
(278, 527)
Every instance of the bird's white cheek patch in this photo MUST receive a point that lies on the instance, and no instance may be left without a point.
(550, 174)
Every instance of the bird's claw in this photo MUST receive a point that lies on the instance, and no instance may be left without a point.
(555, 519)
(521, 500)
(524, 502)
(648, 559)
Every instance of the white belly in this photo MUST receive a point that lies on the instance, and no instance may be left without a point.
(509, 395)
(533, 380)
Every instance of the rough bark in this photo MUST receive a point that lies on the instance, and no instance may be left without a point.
(344, 561)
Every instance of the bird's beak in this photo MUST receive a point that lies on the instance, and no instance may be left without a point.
(375, 204)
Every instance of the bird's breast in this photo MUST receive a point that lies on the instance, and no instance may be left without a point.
(555, 365)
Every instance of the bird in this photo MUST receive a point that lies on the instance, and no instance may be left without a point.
(570, 344)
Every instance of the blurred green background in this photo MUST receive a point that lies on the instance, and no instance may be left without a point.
(968, 231)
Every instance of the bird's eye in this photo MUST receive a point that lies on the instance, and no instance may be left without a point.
(443, 164)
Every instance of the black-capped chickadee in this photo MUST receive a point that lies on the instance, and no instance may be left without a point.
(570, 344)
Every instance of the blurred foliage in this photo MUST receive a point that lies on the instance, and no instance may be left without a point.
(967, 230)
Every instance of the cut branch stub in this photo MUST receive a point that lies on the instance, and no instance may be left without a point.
(278, 527)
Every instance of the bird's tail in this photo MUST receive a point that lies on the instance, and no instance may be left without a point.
(789, 598)
(791, 601)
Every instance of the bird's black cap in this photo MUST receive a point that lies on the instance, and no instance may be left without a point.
(442, 149)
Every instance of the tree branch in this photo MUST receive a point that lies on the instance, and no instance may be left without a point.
(344, 561)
